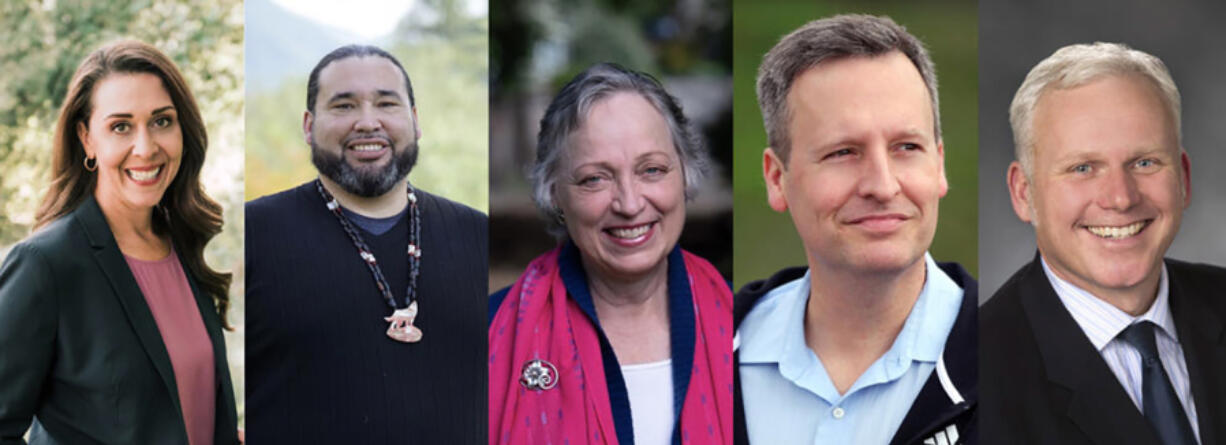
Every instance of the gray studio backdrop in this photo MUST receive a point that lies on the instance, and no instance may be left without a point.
(1187, 35)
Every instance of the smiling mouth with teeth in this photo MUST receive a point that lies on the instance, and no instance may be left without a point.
(630, 233)
(367, 147)
(1120, 232)
(143, 175)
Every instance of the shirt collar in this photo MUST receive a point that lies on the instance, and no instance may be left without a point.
(1103, 322)
(773, 332)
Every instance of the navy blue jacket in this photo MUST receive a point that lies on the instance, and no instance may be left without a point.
(934, 409)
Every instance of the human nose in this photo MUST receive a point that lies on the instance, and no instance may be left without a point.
(629, 200)
(877, 180)
(144, 146)
(1118, 191)
(368, 120)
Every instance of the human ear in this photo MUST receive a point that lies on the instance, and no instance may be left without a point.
(773, 169)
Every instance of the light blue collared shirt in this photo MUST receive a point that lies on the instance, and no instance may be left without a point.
(1102, 324)
(790, 399)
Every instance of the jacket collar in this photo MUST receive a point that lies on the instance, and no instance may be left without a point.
(952, 391)
(110, 260)
(1097, 403)
(1203, 337)
(934, 408)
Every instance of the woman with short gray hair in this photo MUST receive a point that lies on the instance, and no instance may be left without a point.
(618, 304)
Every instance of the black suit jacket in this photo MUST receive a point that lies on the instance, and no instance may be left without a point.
(1044, 382)
(80, 352)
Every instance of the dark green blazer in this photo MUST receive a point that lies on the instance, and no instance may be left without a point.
(80, 353)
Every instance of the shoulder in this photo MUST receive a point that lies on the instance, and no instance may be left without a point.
(30, 268)
(752, 294)
(496, 300)
(59, 240)
(1205, 275)
(1199, 280)
(269, 206)
(449, 210)
(1004, 325)
(1005, 304)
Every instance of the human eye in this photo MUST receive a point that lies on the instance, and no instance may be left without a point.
(388, 104)
(655, 170)
(163, 121)
(1146, 164)
(590, 181)
(840, 153)
(343, 106)
(121, 127)
(1081, 169)
(907, 146)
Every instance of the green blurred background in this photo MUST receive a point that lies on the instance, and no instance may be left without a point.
(442, 44)
(765, 241)
(44, 41)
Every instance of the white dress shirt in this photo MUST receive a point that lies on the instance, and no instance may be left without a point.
(1102, 324)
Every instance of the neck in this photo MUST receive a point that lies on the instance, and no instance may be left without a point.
(382, 206)
(132, 228)
(627, 294)
(633, 312)
(1134, 300)
(853, 318)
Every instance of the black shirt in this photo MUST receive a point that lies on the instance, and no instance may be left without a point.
(320, 366)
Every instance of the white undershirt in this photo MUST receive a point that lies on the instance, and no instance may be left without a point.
(650, 387)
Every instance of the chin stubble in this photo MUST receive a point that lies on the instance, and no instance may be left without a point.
(362, 183)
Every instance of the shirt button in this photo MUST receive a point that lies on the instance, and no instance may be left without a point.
(837, 413)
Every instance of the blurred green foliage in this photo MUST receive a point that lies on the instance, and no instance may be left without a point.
(447, 60)
(765, 241)
(44, 41)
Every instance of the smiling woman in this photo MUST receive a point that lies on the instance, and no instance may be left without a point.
(648, 322)
(130, 349)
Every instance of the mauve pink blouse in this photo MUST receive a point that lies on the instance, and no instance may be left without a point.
(170, 298)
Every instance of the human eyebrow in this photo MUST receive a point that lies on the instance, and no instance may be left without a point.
(651, 155)
(385, 93)
(163, 110)
(341, 96)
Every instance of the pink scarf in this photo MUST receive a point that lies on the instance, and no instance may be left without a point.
(538, 321)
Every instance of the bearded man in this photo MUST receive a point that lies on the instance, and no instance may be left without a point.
(365, 295)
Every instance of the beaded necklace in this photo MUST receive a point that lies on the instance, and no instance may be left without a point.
(401, 321)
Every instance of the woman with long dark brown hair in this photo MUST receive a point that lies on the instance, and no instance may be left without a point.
(110, 319)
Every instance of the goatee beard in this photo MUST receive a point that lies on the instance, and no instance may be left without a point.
(364, 182)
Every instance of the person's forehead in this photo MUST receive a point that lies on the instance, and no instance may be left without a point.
(624, 122)
(1104, 110)
(361, 74)
(840, 98)
(122, 91)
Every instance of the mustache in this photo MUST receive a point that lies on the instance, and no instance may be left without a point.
(378, 135)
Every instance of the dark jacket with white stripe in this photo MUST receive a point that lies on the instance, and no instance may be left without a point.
(944, 413)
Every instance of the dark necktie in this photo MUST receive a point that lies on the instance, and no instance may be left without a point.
(1161, 405)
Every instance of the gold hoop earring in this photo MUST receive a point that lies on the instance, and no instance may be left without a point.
(89, 166)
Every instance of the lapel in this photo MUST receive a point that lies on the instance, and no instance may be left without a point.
(1097, 403)
(212, 325)
(1204, 348)
(123, 285)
